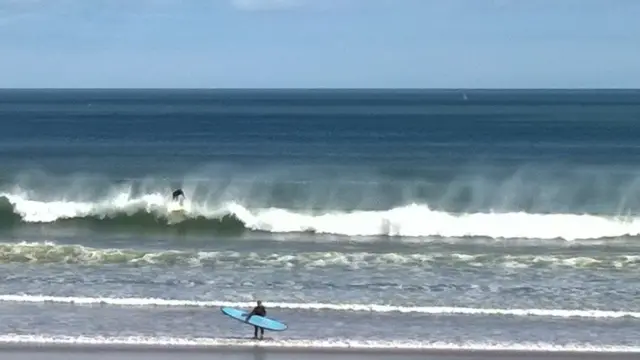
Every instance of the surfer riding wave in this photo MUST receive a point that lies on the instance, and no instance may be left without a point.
(178, 195)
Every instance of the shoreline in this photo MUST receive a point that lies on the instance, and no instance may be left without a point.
(34, 347)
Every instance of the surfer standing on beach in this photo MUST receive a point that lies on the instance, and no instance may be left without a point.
(260, 311)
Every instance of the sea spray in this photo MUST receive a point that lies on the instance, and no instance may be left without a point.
(414, 220)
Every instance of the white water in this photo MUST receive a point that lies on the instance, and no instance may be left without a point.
(50, 252)
(415, 220)
(378, 308)
(134, 341)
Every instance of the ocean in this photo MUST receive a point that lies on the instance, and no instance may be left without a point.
(384, 219)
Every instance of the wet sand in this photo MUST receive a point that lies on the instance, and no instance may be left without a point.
(111, 352)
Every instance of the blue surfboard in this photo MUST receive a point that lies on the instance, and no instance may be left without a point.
(255, 320)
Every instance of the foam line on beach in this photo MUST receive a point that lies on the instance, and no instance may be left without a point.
(376, 308)
(143, 341)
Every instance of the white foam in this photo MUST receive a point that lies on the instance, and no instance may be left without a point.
(50, 252)
(39, 211)
(433, 310)
(419, 220)
(411, 221)
(307, 344)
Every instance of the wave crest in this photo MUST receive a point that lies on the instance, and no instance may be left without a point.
(137, 214)
(155, 211)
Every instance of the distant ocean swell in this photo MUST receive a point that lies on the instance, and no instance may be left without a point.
(154, 211)
(51, 253)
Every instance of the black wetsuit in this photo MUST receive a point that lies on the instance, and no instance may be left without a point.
(177, 193)
(260, 311)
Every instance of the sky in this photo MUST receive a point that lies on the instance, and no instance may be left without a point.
(319, 44)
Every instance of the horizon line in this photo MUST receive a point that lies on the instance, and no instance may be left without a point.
(335, 88)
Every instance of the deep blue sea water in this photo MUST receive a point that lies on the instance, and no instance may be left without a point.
(462, 218)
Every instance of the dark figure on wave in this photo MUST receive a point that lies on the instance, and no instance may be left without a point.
(260, 311)
(178, 194)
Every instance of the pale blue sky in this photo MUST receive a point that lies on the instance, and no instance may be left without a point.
(320, 43)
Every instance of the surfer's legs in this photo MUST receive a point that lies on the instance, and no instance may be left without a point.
(255, 332)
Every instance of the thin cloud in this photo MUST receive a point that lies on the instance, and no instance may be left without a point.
(265, 5)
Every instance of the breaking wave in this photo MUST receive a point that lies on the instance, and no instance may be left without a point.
(155, 211)
(150, 212)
